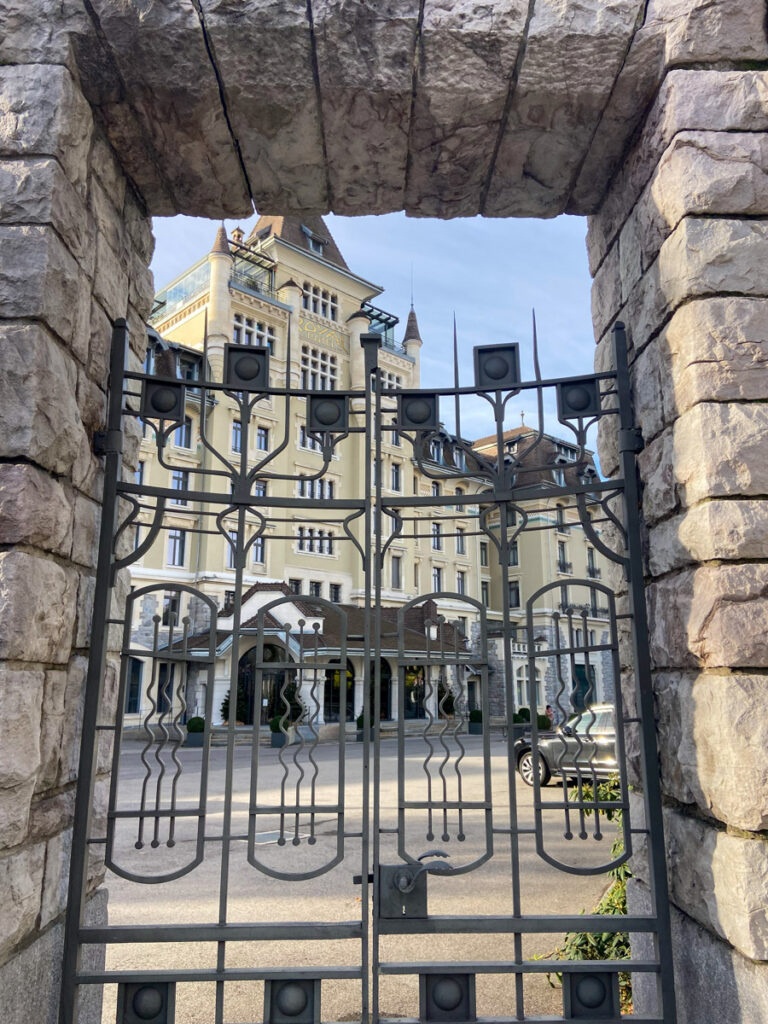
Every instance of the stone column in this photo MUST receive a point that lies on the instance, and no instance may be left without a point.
(219, 308)
(75, 243)
(679, 251)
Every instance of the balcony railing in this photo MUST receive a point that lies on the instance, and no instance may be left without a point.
(565, 567)
(563, 528)
(594, 573)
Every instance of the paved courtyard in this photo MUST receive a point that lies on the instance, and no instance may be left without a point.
(333, 896)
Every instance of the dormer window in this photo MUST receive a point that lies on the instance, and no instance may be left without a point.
(315, 243)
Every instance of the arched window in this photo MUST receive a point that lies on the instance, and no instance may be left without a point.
(521, 689)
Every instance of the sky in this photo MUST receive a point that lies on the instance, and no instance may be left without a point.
(489, 273)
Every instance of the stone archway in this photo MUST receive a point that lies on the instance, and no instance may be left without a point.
(655, 128)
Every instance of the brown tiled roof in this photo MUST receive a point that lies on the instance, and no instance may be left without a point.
(290, 229)
(281, 588)
(221, 244)
(507, 435)
(411, 328)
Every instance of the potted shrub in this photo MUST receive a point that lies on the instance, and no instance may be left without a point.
(195, 732)
(544, 724)
(525, 714)
(475, 722)
(278, 738)
(359, 721)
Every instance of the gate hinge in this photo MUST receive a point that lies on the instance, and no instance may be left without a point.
(631, 440)
(358, 879)
(108, 442)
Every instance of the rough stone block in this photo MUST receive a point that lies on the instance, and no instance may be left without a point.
(40, 280)
(56, 878)
(37, 191)
(657, 469)
(41, 33)
(23, 1002)
(721, 880)
(365, 72)
(688, 100)
(711, 617)
(37, 608)
(138, 225)
(21, 880)
(712, 980)
(110, 285)
(574, 52)
(466, 56)
(21, 694)
(85, 537)
(702, 257)
(710, 30)
(34, 509)
(39, 418)
(712, 733)
(52, 729)
(722, 530)
(43, 113)
(720, 450)
(71, 730)
(716, 350)
(193, 156)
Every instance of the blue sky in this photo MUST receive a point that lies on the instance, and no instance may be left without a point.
(491, 273)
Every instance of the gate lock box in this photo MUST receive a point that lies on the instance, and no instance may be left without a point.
(403, 887)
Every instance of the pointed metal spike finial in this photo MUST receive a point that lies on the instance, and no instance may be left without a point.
(536, 367)
(411, 284)
(456, 377)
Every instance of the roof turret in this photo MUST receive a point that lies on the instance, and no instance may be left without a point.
(411, 328)
(221, 244)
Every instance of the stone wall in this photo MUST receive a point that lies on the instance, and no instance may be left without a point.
(74, 246)
(679, 251)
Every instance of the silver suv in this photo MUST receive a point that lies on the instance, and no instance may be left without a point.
(568, 747)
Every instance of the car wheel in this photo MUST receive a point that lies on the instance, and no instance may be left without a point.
(526, 768)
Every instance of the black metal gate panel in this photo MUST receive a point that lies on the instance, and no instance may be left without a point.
(386, 858)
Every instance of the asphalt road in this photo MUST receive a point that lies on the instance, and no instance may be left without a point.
(254, 896)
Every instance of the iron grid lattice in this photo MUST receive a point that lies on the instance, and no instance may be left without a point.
(456, 812)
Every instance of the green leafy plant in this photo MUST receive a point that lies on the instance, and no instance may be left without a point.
(196, 724)
(360, 720)
(524, 714)
(275, 723)
(242, 706)
(543, 722)
(518, 718)
(603, 945)
(475, 715)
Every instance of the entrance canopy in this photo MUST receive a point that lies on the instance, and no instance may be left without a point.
(505, 109)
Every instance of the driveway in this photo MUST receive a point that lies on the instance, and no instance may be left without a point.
(333, 896)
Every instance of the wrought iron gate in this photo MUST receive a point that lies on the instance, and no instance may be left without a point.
(417, 832)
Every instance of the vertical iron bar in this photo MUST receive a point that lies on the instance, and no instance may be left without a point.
(78, 873)
(643, 679)
(377, 568)
(234, 668)
(509, 697)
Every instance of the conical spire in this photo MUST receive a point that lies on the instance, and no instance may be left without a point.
(412, 328)
(221, 244)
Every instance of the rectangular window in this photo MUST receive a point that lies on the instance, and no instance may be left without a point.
(176, 545)
(395, 476)
(461, 548)
(485, 593)
(514, 593)
(231, 548)
(295, 586)
(437, 540)
(138, 477)
(300, 544)
(462, 625)
(335, 593)
(396, 439)
(461, 583)
(182, 436)
(316, 588)
(262, 439)
(591, 638)
(514, 555)
(307, 441)
(397, 572)
(483, 552)
(237, 436)
(563, 599)
(319, 369)
(260, 489)
(437, 579)
(133, 689)
(435, 489)
(229, 602)
(180, 482)
(259, 550)
(416, 575)
(171, 608)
